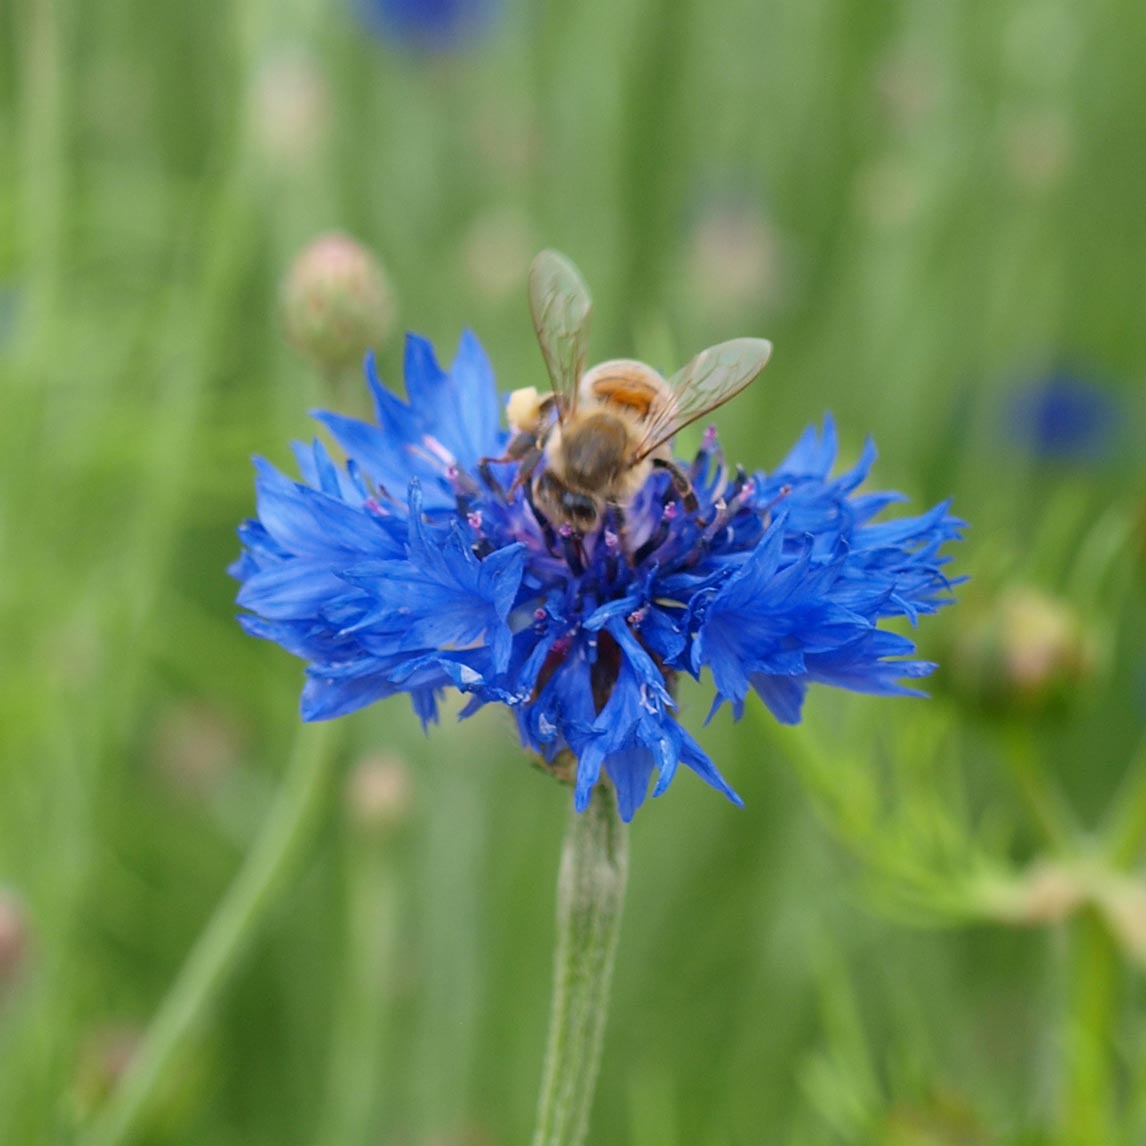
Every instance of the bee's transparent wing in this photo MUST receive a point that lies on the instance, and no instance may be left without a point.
(560, 302)
(708, 381)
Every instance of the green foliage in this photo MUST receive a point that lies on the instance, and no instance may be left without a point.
(926, 927)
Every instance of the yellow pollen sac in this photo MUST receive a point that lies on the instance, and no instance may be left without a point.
(523, 410)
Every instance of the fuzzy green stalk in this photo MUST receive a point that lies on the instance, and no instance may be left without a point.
(590, 897)
(357, 1054)
(1089, 1036)
(268, 867)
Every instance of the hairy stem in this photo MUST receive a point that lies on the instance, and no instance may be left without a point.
(267, 869)
(1089, 1035)
(590, 897)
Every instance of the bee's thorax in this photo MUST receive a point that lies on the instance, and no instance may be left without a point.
(594, 452)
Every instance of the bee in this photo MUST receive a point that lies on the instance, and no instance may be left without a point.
(592, 443)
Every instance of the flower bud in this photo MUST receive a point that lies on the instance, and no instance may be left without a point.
(734, 257)
(379, 792)
(888, 193)
(939, 1119)
(1038, 148)
(291, 108)
(1123, 903)
(337, 303)
(10, 308)
(497, 250)
(1047, 893)
(196, 748)
(1028, 652)
(105, 1055)
(13, 939)
(908, 87)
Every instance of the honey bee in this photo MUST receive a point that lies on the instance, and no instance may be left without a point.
(595, 439)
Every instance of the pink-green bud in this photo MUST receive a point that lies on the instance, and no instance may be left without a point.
(941, 1118)
(1027, 652)
(337, 303)
(291, 107)
(13, 939)
(1123, 903)
(1038, 149)
(1047, 893)
(196, 748)
(497, 250)
(735, 259)
(105, 1055)
(379, 792)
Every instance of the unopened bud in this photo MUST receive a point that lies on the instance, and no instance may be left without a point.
(380, 792)
(10, 307)
(1123, 903)
(940, 1119)
(1047, 893)
(337, 303)
(497, 250)
(105, 1056)
(291, 107)
(734, 257)
(462, 1136)
(1038, 148)
(908, 87)
(889, 192)
(1139, 541)
(13, 939)
(1028, 652)
(196, 748)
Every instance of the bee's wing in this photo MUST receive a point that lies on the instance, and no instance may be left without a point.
(560, 302)
(708, 381)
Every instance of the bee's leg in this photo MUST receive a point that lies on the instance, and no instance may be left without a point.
(622, 526)
(573, 549)
(680, 483)
(519, 447)
(529, 463)
(552, 543)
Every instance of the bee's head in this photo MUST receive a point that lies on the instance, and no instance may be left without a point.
(565, 506)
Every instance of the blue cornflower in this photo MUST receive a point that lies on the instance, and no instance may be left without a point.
(428, 25)
(1064, 416)
(405, 571)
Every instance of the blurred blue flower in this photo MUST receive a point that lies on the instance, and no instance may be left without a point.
(403, 571)
(1064, 416)
(428, 25)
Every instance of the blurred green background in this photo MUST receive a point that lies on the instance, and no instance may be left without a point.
(926, 926)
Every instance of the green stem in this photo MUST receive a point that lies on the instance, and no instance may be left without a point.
(1089, 1036)
(1126, 829)
(590, 896)
(268, 867)
(365, 993)
(654, 152)
(1042, 800)
(44, 147)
